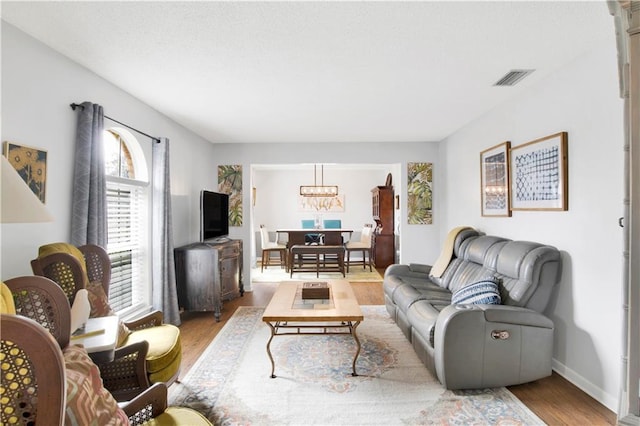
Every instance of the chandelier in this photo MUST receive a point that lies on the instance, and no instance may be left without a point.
(316, 190)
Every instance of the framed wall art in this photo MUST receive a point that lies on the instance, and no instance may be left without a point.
(325, 204)
(539, 171)
(31, 165)
(230, 182)
(494, 180)
(419, 193)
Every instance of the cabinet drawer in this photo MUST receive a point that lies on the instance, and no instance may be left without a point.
(226, 252)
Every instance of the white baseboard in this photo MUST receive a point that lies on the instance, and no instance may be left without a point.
(609, 401)
(629, 420)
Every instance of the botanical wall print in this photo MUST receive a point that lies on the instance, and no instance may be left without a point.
(230, 182)
(420, 193)
(31, 165)
(321, 204)
(494, 180)
(539, 174)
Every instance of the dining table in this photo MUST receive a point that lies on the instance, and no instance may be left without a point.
(330, 236)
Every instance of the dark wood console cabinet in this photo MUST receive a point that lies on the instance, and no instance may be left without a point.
(208, 274)
(383, 252)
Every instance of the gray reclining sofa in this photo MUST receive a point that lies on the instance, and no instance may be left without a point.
(471, 345)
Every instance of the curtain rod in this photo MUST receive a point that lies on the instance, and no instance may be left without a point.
(74, 106)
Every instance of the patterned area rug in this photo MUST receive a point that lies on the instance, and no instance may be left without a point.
(230, 383)
(275, 274)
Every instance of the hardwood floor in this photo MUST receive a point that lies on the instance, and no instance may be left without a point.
(555, 400)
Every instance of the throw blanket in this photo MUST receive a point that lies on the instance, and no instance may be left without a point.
(447, 251)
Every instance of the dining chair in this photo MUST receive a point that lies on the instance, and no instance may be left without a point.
(332, 224)
(363, 245)
(269, 247)
(310, 238)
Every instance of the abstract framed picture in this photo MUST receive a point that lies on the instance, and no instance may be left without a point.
(321, 204)
(31, 165)
(494, 180)
(539, 172)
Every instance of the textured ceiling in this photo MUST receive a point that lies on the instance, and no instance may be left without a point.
(317, 71)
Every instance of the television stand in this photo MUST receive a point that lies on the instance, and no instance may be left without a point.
(209, 273)
(218, 240)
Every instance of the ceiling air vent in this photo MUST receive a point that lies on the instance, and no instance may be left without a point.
(513, 77)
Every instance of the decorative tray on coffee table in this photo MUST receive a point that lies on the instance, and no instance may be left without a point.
(313, 295)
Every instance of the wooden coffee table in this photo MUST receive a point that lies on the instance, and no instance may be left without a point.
(288, 314)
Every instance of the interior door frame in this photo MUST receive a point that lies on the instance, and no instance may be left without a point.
(627, 24)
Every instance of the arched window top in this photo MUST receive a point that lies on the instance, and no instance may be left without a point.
(123, 155)
(127, 186)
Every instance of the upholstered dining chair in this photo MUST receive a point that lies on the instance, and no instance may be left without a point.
(310, 238)
(269, 247)
(308, 223)
(45, 383)
(363, 245)
(89, 267)
(332, 224)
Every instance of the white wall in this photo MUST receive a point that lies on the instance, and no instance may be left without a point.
(278, 194)
(277, 187)
(38, 85)
(583, 100)
(418, 243)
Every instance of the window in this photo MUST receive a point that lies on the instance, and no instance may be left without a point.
(127, 222)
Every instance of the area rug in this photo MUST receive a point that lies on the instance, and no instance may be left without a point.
(231, 384)
(274, 274)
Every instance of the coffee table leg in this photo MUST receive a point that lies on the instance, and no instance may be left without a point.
(273, 364)
(355, 337)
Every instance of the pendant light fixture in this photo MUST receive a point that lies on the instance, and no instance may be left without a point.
(316, 190)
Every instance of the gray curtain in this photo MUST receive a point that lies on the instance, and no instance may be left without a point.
(165, 297)
(89, 198)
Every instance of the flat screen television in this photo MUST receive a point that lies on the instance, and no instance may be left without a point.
(214, 215)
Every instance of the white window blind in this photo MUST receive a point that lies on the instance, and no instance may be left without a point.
(126, 201)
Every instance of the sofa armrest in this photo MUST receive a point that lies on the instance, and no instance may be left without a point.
(415, 270)
(420, 268)
(477, 346)
(514, 315)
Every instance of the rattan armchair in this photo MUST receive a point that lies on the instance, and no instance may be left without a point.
(32, 373)
(43, 301)
(40, 299)
(34, 382)
(34, 376)
(88, 266)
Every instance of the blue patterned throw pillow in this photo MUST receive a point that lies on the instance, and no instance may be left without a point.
(484, 292)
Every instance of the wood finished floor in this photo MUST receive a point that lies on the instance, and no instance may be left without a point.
(555, 400)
